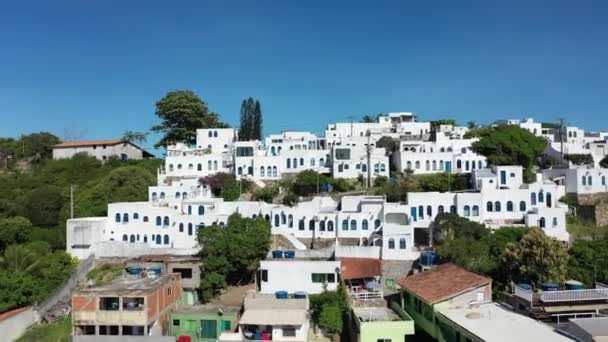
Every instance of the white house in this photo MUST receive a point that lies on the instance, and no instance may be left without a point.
(580, 180)
(100, 149)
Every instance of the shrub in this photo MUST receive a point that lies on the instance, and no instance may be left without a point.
(340, 185)
(266, 194)
(579, 159)
(380, 181)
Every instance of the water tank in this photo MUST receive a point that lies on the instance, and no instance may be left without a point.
(289, 254)
(299, 295)
(281, 294)
(277, 254)
(550, 286)
(134, 270)
(574, 285)
(429, 258)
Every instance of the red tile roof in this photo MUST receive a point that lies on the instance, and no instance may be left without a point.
(443, 282)
(89, 143)
(360, 268)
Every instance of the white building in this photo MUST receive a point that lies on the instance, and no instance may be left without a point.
(100, 149)
(580, 180)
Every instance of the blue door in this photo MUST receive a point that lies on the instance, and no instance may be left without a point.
(503, 177)
(448, 166)
(413, 213)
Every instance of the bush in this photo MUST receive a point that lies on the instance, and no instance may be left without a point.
(380, 181)
(266, 194)
(340, 185)
(570, 200)
(579, 159)
(331, 318)
(307, 182)
(290, 199)
(604, 162)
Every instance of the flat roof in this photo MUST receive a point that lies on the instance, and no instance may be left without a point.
(266, 309)
(376, 314)
(206, 309)
(493, 323)
(262, 301)
(595, 326)
(129, 285)
(165, 258)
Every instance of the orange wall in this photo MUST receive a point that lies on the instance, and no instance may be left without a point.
(84, 303)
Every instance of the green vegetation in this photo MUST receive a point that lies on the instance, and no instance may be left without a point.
(397, 188)
(329, 309)
(232, 253)
(390, 145)
(266, 194)
(225, 185)
(59, 331)
(34, 147)
(579, 159)
(181, 113)
(435, 124)
(250, 120)
(105, 273)
(588, 261)
(604, 162)
(509, 145)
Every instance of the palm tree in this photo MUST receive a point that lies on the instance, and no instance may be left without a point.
(17, 258)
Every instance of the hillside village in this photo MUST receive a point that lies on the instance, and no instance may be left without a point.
(388, 229)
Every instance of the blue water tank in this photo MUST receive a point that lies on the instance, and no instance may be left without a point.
(428, 258)
(289, 254)
(134, 270)
(574, 285)
(281, 294)
(156, 270)
(277, 254)
(548, 286)
(300, 295)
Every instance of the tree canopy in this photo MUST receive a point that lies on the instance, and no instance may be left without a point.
(250, 120)
(181, 113)
(232, 253)
(604, 162)
(509, 145)
(579, 159)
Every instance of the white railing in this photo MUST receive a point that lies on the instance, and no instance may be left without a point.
(523, 293)
(574, 295)
(364, 295)
(601, 286)
(575, 315)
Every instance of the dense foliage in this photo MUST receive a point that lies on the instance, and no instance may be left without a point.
(436, 123)
(400, 184)
(181, 113)
(579, 159)
(250, 120)
(35, 147)
(329, 309)
(232, 253)
(225, 185)
(604, 162)
(588, 261)
(389, 144)
(508, 145)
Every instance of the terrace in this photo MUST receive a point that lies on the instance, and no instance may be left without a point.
(598, 294)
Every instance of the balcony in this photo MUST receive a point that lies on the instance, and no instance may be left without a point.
(563, 296)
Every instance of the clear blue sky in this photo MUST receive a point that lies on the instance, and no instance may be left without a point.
(99, 66)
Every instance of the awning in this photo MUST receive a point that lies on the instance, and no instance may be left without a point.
(274, 317)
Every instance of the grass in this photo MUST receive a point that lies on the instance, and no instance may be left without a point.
(55, 332)
(581, 230)
(105, 273)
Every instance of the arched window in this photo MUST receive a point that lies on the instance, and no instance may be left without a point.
(409, 165)
(509, 206)
(125, 217)
(189, 228)
(184, 195)
(274, 171)
(589, 181)
(215, 165)
(321, 162)
(463, 150)
(199, 167)
(548, 200)
(330, 226)
(584, 180)
(453, 209)
(311, 225)
(132, 238)
(162, 195)
(181, 227)
(340, 168)
(417, 165)
(603, 180)
(269, 171)
(541, 222)
(154, 196)
(301, 161)
(440, 209)
(522, 206)
(427, 165)
(240, 170)
(402, 243)
(295, 163)
(210, 134)
(363, 167)
(178, 195)
(145, 219)
(459, 164)
(125, 237)
(497, 206)
(288, 163)
(467, 211)
(479, 164)
(145, 238)
(190, 166)
(489, 207)
(283, 218)
(201, 210)
(117, 217)
(290, 221)
(364, 224)
(442, 149)
(159, 221)
(322, 226)
(179, 166)
(541, 197)
(166, 239)
(377, 223)
(466, 165)
(533, 198)
(267, 217)
(170, 167)
(312, 161)
(434, 165)
(420, 212)
(301, 224)
(429, 211)
(344, 224)
(555, 222)
(135, 216)
(277, 220)
(262, 171)
(391, 243)
(475, 210)
(353, 225)
(158, 239)
(166, 221)
(209, 165)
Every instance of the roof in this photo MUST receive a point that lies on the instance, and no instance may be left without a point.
(11, 313)
(89, 143)
(596, 326)
(165, 258)
(205, 309)
(359, 268)
(443, 282)
(267, 309)
(130, 285)
(492, 323)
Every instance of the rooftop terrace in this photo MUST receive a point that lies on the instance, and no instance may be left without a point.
(130, 285)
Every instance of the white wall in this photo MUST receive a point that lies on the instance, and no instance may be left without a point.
(293, 275)
(100, 152)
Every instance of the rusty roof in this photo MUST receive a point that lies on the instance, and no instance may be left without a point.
(89, 143)
(12, 313)
(443, 282)
(360, 268)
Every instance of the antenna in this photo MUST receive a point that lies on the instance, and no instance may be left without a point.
(351, 118)
(561, 141)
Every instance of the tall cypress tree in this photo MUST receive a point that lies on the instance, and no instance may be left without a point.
(244, 131)
(257, 121)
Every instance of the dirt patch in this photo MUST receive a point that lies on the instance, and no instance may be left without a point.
(233, 296)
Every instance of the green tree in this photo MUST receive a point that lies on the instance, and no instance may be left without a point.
(331, 318)
(14, 230)
(250, 120)
(232, 253)
(44, 204)
(604, 162)
(579, 159)
(257, 121)
(536, 258)
(135, 137)
(181, 113)
(389, 144)
(370, 118)
(436, 123)
(308, 182)
(448, 227)
(471, 124)
(509, 145)
(266, 194)
(17, 258)
(588, 261)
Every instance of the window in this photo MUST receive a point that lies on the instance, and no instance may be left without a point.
(533, 198)
(427, 165)
(522, 206)
(117, 217)
(402, 243)
(181, 227)
(384, 340)
(453, 209)
(145, 219)
(353, 225)
(166, 221)
(166, 239)
(330, 226)
(584, 180)
(417, 165)
(323, 277)
(440, 209)
(311, 225)
(377, 223)
(132, 238)
(541, 222)
(603, 180)
(133, 303)
(322, 226)
(201, 210)
(467, 211)
(497, 206)
(290, 221)
(342, 153)
(277, 220)
(541, 197)
(264, 275)
(364, 225)
(162, 195)
(475, 210)
(489, 207)
(158, 221)
(421, 212)
(589, 181)
(176, 322)
(429, 211)
(262, 172)
(189, 228)
(509, 206)
(125, 237)
(555, 222)
(199, 167)
(344, 224)
(301, 161)
(301, 224)
(391, 243)
(288, 163)
(289, 331)
(208, 329)
(459, 164)
(244, 151)
(109, 304)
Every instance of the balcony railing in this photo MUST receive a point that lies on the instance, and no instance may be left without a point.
(574, 295)
(523, 293)
(365, 295)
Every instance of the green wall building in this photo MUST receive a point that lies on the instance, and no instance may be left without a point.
(203, 323)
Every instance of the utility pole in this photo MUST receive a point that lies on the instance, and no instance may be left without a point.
(351, 118)
(561, 141)
(72, 201)
(368, 150)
